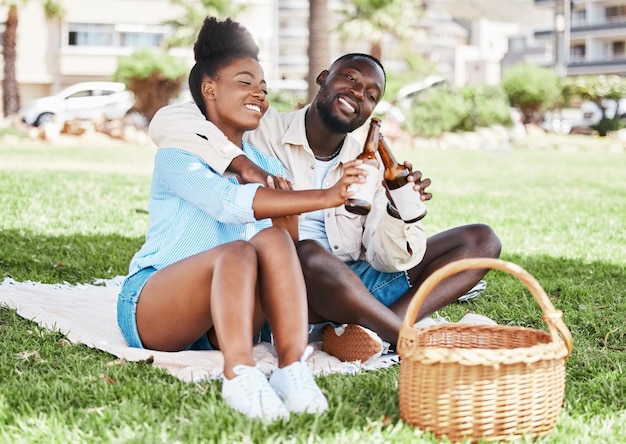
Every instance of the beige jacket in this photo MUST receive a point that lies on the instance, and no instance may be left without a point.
(387, 243)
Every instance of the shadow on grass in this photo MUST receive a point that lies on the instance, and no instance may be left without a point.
(74, 259)
(592, 297)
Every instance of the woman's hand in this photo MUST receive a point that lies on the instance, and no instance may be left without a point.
(351, 174)
(289, 223)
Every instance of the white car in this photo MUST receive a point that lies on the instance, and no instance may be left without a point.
(591, 112)
(87, 100)
(406, 94)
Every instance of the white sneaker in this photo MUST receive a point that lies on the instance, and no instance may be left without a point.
(476, 319)
(430, 321)
(474, 292)
(296, 387)
(250, 393)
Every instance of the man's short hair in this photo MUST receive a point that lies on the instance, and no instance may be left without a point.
(360, 55)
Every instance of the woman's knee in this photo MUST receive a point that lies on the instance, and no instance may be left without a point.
(272, 237)
(241, 252)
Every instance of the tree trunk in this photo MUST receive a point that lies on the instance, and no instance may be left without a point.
(318, 51)
(153, 93)
(10, 89)
(376, 50)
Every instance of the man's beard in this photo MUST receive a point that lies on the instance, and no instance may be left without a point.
(324, 106)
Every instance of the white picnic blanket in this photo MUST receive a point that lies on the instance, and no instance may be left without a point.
(86, 314)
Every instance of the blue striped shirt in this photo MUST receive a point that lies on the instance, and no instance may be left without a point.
(193, 209)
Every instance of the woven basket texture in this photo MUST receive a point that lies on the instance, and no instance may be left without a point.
(479, 382)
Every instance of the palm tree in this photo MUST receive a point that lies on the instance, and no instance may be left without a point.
(186, 27)
(370, 20)
(10, 88)
(318, 50)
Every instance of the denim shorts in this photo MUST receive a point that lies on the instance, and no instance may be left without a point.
(386, 287)
(127, 310)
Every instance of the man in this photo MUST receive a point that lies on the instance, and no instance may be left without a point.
(360, 270)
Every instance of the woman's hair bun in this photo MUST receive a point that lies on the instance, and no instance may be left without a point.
(226, 37)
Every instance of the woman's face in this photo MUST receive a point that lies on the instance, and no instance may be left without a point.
(236, 99)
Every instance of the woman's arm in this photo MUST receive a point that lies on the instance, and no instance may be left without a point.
(270, 202)
(187, 176)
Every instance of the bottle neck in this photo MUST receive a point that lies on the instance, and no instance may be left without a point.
(385, 153)
(373, 136)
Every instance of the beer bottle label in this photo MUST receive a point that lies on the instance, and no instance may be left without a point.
(408, 203)
(365, 191)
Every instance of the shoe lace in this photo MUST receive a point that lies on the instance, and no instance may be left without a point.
(255, 383)
(252, 378)
(299, 374)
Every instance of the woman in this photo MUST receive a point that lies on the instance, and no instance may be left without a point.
(214, 268)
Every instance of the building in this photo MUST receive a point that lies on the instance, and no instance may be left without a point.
(588, 37)
(469, 39)
(87, 43)
(470, 42)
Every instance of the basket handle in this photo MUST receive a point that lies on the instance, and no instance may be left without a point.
(551, 316)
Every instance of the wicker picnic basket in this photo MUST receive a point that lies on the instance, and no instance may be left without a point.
(472, 382)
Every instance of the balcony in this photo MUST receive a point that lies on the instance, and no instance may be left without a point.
(606, 65)
(612, 24)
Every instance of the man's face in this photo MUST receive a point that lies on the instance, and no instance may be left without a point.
(348, 93)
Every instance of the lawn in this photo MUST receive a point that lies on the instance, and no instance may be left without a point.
(72, 212)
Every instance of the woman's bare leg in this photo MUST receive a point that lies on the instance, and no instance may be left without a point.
(214, 289)
(282, 293)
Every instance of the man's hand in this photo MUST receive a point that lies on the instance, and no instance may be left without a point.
(420, 184)
(248, 172)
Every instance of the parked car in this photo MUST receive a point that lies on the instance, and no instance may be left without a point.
(556, 122)
(87, 100)
(408, 93)
(592, 113)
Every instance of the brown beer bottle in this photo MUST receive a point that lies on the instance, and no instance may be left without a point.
(405, 199)
(361, 202)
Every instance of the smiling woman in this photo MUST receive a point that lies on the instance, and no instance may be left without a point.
(214, 268)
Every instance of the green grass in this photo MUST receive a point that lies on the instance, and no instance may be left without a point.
(77, 213)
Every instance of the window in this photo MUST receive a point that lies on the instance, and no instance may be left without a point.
(129, 36)
(90, 34)
(141, 39)
(577, 53)
(615, 13)
(579, 17)
(618, 49)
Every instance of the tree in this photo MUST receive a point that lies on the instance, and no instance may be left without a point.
(532, 89)
(186, 27)
(154, 77)
(10, 88)
(318, 51)
(601, 90)
(371, 20)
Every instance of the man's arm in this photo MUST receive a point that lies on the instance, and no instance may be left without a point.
(184, 126)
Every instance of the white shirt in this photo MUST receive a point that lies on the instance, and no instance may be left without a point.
(388, 244)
